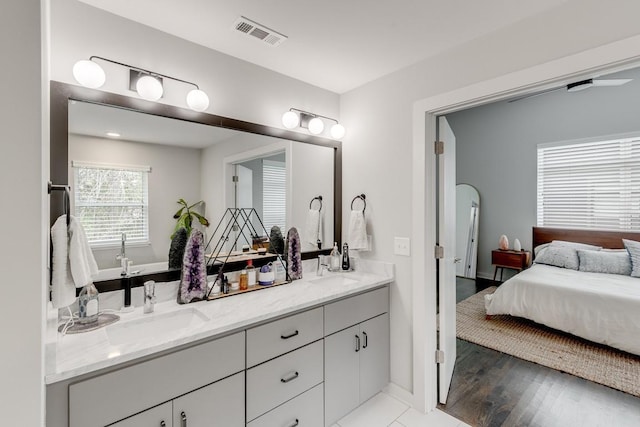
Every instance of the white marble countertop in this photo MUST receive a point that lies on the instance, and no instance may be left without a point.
(69, 356)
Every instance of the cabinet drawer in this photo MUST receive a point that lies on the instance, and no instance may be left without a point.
(518, 260)
(138, 387)
(273, 339)
(305, 410)
(153, 417)
(276, 381)
(350, 311)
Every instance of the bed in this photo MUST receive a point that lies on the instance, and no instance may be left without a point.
(601, 307)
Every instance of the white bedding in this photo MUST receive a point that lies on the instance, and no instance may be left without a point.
(604, 308)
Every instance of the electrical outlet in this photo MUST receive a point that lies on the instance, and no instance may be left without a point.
(402, 246)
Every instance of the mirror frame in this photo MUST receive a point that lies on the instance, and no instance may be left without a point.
(62, 93)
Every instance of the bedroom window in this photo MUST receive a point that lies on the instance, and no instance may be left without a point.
(111, 200)
(590, 185)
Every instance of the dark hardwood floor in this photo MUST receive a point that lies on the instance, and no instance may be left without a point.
(490, 388)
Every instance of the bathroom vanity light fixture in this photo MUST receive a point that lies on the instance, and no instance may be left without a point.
(313, 122)
(147, 83)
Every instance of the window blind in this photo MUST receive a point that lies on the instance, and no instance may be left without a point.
(111, 200)
(274, 194)
(590, 185)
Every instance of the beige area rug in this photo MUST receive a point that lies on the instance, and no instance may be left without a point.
(548, 347)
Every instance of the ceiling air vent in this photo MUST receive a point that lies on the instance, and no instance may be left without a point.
(258, 31)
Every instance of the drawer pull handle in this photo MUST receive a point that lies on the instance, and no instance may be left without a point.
(366, 340)
(291, 378)
(295, 423)
(286, 337)
(183, 419)
(163, 424)
(357, 343)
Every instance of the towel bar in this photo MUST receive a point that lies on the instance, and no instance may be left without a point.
(67, 202)
(361, 197)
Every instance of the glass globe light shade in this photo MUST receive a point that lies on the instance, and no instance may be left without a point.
(89, 74)
(338, 131)
(290, 120)
(197, 100)
(149, 88)
(316, 126)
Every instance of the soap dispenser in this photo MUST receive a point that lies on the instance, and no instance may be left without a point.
(346, 265)
(335, 257)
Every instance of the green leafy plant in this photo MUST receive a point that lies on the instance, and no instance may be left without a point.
(185, 217)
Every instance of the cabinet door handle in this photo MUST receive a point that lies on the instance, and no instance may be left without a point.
(183, 419)
(286, 337)
(291, 378)
(295, 423)
(163, 424)
(366, 340)
(357, 343)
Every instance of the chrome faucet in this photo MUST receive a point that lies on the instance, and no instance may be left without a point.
(149, 296)
(322, 265)
(122, 256)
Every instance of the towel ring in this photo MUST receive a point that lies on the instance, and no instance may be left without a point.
(318, 198)
(67, 203)
(361, 197)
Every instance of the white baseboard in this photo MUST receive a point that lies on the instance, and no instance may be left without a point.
(399, 393)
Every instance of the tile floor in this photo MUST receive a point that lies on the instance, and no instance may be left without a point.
(382, 410)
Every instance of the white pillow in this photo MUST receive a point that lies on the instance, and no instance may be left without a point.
(610, 262)
(576, 245)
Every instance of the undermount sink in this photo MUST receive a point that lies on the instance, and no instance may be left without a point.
(334, 280)
(155, 325)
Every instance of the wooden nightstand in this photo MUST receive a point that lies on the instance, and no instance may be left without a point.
(515, 260)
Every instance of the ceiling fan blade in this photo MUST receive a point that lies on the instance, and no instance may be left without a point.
(610, 82)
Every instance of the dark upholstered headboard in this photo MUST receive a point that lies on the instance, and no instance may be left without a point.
(606, 239)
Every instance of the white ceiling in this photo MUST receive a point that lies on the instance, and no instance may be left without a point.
(337, 45)
(96, 120)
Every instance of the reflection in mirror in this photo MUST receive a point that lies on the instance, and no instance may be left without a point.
(194, 162)
(467, 211)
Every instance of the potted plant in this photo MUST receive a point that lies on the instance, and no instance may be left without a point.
(185, 217)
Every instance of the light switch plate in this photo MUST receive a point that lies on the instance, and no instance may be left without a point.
(402, 246)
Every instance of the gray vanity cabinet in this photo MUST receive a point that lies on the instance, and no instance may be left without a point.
(356, 358)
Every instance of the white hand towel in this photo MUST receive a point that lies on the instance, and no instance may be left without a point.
(83, 264)
(63, 290)
(312, 227)
(73, 264)
(357, 231)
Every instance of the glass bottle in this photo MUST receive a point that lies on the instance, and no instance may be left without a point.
(335, 257)
(251, 272)
(244, 280)
(88, 304)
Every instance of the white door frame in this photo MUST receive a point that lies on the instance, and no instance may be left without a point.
(609, 58)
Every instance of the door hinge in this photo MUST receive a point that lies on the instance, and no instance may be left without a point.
(439, 356)
(235, 178)
(438, 147)
(438, 252)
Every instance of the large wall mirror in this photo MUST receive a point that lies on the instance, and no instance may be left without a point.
(224, 162)
(467, 220)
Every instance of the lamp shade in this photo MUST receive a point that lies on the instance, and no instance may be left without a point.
(316, 126)
(89, 74)
(197, 100)
(149, 88)
(338, 131)
(290, 120)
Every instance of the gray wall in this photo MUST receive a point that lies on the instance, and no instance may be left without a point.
(496, 148)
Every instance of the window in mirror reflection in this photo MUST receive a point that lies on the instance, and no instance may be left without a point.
(111, 200)
(261, 184)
